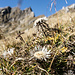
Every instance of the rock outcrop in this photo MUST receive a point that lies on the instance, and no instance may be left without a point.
(15, 13)
(5, 14)
(69, 8)
(15, 19)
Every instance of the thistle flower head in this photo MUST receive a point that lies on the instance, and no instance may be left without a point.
(41, 53)
(39, 20)
(8, 52)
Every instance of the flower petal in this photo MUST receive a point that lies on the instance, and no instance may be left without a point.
(43, 49)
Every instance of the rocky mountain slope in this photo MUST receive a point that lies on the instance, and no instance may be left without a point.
(14, 19)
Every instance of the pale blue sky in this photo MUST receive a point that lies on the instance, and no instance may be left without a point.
(39, 7)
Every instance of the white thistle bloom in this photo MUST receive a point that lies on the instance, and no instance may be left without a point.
(41, 53)
(8, 52)
(39, 20)
(5, 54)
(11, 51)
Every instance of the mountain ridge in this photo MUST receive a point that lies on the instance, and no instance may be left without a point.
(14, 19)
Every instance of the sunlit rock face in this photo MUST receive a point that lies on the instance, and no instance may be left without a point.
(14, 19)
(70, 8)
(8, 13)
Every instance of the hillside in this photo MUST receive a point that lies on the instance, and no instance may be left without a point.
(46, 49)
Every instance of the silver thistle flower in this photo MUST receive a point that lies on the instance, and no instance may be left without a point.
(9, 52)
(41, 53)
